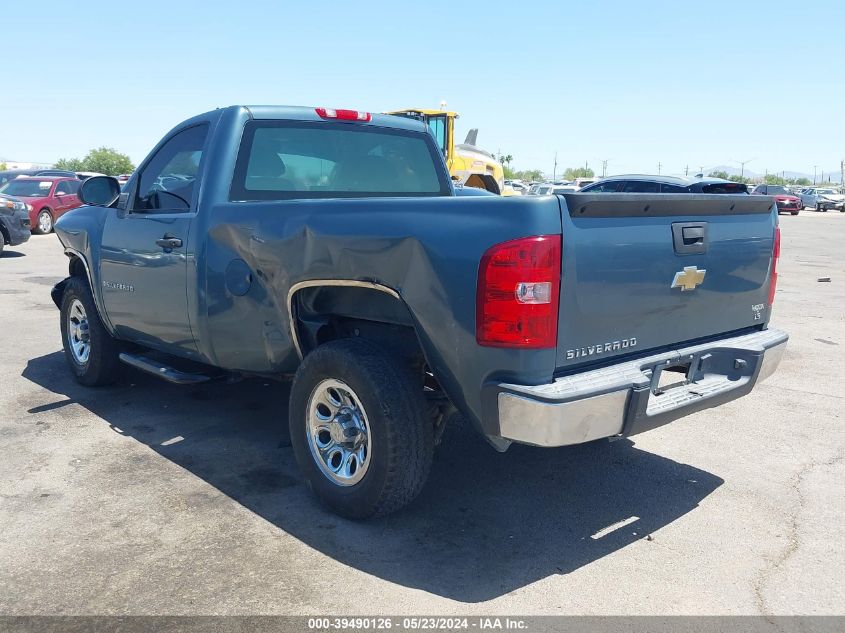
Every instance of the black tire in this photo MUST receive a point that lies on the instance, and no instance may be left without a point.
(102, 366)
(795, 213)
(400, 431)
(37, 228)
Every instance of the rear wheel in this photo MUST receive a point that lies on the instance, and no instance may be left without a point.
(359, 428)
(44, 222)
(795, 213)
(90, 351)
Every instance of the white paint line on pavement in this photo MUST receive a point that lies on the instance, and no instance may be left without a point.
(612, 528)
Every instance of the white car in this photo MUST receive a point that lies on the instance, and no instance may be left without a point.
(823, 198)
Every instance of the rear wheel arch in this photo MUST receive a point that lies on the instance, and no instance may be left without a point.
(325, 310)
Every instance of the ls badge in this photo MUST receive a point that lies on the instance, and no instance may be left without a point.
(688, 278)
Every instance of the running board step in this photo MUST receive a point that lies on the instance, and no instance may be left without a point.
(159, 369)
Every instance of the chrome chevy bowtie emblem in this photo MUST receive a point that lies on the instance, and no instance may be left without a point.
(688, 278)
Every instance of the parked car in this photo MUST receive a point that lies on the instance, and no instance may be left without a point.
(787, 202)
(54, 172)
(14, 222)
(48, 198)
(295, 247)
(822, 199)
(10, 174)
(639, 183)
(85, 175)
(518, 186)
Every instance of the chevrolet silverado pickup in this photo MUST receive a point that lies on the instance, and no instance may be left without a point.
(331, 247)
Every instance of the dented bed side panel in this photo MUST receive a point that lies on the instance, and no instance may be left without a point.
(426, 249)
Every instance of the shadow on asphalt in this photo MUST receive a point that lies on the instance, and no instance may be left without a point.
(486, 523)
(10, 254)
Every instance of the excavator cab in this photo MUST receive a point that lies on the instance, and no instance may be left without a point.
(468, 164)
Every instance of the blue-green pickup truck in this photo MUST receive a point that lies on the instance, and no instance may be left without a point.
(331, 247)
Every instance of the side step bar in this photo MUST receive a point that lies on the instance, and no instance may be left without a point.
(157, 368)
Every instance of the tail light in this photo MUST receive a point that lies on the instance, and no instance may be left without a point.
(343, 115)
(518, 293)
(773, 282)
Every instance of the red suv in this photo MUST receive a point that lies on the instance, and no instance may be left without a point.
(46, 198)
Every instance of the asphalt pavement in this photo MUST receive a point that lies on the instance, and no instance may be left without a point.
(151, 498)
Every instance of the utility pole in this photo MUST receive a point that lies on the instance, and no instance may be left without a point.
(814, 173)
(842, 172)
(659, 167)
(586, 167)
(604, 168)
(686, 170)
(742, 166)
(554, 171)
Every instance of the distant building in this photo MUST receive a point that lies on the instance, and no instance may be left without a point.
(16, 164)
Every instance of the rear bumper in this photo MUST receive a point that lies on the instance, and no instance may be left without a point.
(620, 400)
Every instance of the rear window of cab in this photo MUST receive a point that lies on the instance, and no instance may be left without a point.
(285, 160)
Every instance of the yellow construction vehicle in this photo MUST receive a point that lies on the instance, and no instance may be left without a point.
(468, 164)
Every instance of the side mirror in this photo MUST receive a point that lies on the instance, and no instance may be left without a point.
(99, 191)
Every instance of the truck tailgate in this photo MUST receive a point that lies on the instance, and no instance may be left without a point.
(642, 272)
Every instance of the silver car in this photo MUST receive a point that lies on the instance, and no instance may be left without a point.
(822, 199)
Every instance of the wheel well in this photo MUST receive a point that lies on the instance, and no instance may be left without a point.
(76, 268)
(483, 181)
(324, 313)
(320, 314)
(4, 234)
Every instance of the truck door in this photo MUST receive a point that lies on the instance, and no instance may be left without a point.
(145, 249)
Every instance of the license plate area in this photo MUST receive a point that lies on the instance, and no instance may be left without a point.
(668, 376)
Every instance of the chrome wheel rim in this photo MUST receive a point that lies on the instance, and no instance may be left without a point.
(45, 222)
(78, 335)
(338, 433)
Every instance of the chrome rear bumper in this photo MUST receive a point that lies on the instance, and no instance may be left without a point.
(626, 398)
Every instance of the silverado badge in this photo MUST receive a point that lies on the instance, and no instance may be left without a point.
(688, 278)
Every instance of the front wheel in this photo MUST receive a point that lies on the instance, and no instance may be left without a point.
(90, 351)
(795, 213)
(44, 222)
(359, 428)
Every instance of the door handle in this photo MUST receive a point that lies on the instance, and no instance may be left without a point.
(692, 235)
(168, 242)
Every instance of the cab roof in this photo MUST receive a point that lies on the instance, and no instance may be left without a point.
(302, 113)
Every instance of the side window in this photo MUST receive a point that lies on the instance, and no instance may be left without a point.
(166, 183)
(437, 125)
(72, 186)
(611, 186)
(664, 188)
(640, 186)
(62, 188)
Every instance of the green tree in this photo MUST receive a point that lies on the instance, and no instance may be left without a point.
(71, 164)
(3, 167)
(106, 160)
(572, 173)
(738, 178)
(774, 179)
(804, 182)
(718, 174)
(529, 174)
(103, 160)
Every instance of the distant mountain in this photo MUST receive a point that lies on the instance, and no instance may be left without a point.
(732, 170)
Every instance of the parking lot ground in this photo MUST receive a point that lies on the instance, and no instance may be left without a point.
(149, 498)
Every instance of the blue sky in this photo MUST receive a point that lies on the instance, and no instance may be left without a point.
(639, 83)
